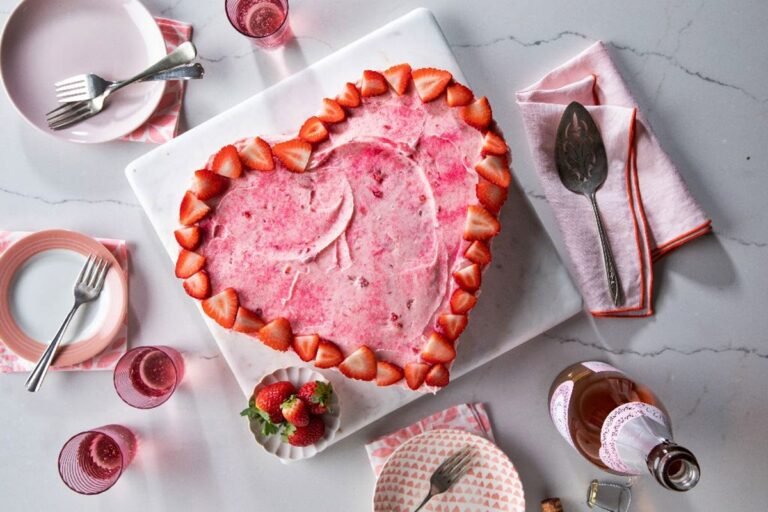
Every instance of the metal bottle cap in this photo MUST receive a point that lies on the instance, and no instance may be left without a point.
(609, 496)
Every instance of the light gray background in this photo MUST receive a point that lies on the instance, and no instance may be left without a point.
(699, 71)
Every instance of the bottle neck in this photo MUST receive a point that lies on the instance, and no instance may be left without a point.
(675, 467)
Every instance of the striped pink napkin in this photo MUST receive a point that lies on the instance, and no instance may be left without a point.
(163, 124)
(471, 418)
(106, 360)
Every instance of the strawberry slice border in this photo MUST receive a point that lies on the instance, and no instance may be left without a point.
(488, 130)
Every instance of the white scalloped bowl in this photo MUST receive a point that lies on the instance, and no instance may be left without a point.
(274, 444)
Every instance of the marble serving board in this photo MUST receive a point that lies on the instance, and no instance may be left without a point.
(526, 290)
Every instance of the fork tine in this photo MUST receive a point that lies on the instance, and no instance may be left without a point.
(460, 465)
(73, 119)
(102, 276)
(75, 98)
(71, 87)
(100, 262)
(64, 110)
(70, 80)
(449, 461)
(71, 92)
(82, 272)
(92, 271)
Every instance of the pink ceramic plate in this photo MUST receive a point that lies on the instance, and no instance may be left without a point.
(47, 41)
(37, 276)
(491, 483)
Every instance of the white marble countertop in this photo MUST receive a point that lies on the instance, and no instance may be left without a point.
(698, 71)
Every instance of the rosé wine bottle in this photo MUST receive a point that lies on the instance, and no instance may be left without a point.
(619, 425)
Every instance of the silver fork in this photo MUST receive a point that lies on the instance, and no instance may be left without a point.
(87, 288)
(448, 473)
(75, 112)
(85, 87)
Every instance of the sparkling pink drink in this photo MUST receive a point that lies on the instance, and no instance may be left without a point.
(145, 377)
(92, 461)
(265, 21)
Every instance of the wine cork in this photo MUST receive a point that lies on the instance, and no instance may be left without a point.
(551, 505)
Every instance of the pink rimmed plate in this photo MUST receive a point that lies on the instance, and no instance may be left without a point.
(46, 41)
(490, 484)
(37, 277)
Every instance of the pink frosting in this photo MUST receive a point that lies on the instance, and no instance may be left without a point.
(360, 248)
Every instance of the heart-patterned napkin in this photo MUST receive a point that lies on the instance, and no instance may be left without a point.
(106, 360)
(646, 208)
(163, 124)
(471, 418)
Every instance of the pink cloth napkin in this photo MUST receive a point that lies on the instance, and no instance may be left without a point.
(469, 417)
(163, 124)
(646, 208)
(106, 360)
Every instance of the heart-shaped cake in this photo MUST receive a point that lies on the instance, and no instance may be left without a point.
(360, 243)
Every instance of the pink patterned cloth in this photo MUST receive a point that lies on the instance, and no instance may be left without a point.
(646, 207)
(163, 124)
(106, 360)
(471, 418)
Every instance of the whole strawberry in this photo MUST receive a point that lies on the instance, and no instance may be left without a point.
(305, 436)
(265, 405)
(295, 411)
(317, 395)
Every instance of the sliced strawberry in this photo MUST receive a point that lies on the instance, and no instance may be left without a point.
(257, 155)
(294, 154)
(478, 252)
(313, 130)
(331, 112)
(388, 373)
(453, 325)
(192, 209)
(328, 355)
(277, 334)
(350, 97)
(491, 196)
(208, 184)
(438, 376)
(227, 162)
(494, 144)
(373, 84)
(477, 114)
(415, 373)
(398, 77)
(188, 263)
(495, 169)
(198, 286)
(438, 349)
(430, 82)
(222, 307)
(462, 301)
(468, 277)
(458, 95)
(360, 364)
(188, 237)
(247, 321)
(306, 346)
(480, 225)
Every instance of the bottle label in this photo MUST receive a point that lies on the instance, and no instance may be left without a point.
(628, 435)
(558, 409)
(597, 367)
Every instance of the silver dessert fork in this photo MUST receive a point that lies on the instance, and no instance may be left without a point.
(90, 85)
(448, 473)
(87, 289)
(75, 112)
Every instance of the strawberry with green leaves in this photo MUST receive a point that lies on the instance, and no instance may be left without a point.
(265, 405)
(317, 395)
(295, 411)
(305, 436)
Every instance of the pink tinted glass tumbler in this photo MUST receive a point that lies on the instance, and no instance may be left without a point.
(264, 21)
(92, 461)
(145, 377)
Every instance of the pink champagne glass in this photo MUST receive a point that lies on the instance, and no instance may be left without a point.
(92, 461)
(145, 377)
(264, 21)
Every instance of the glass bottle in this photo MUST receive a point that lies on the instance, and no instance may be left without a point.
(619, 425)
